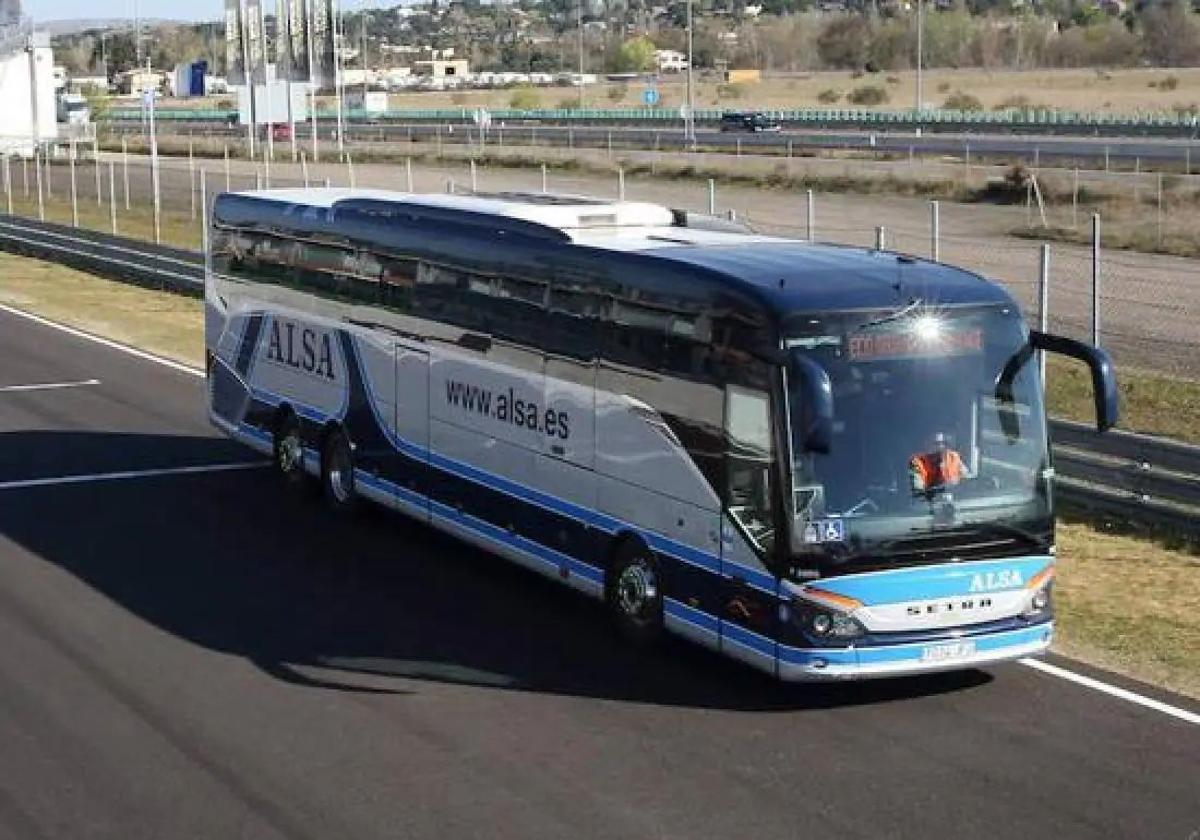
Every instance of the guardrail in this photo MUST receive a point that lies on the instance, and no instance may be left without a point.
(1123, 475)
(1012, 120)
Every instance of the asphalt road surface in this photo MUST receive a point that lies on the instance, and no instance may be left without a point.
(197, 655)
(1093, 152)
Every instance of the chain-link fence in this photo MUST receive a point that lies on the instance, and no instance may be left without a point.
(1146, 305)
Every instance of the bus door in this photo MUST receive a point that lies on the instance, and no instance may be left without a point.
(748, 600)
(566, 468)
(411, 427)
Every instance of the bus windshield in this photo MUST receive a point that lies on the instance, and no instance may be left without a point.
(938, 441)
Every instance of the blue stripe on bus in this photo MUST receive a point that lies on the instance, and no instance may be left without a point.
(748, 639)
(910, 652)
(697, 618)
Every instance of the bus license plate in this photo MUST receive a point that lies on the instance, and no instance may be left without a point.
(947, 652)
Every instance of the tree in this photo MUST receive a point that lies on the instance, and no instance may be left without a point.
(844, 41)
(634, 56)
(1171, 35)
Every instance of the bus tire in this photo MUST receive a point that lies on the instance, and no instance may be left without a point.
(287, 449)
(634, 593)
(337, 472)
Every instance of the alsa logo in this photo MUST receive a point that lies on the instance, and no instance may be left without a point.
(301, 348)
(991, 581)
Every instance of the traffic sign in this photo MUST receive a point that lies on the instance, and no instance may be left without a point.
(650, 96)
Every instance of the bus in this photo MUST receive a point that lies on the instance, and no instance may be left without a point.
(824, 461)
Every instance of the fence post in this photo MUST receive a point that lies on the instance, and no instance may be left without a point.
(257, 179)
(731, 214)
(450, 186)
(738, 147)
(349, 170)
(712, 196)
(8, 186)
(1095, 279)
(1187, 160)
(203, 217)
(1106, 158)
(1043, 303)
(304, 168)
(811, 220)
(408, 173)
(228, 182)
(74, 191)
(474, 177)
(935, 228)
(544, 185)
(25, 174)
(620, 183)
(96, 163)
(48, 175)
(1075, 199)
(880, 237)
(1160, 203)
(125, 168)
(610, 142)
(967, 156)
(328, 183)
(112, 196)
(37, 171)
(192, 180)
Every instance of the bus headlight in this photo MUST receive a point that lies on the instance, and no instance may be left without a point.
(1041, 601)
(827, 615)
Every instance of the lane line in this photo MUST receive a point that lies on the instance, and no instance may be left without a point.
(1112, 690)
(1036, 664)
(47, 386)
(105, 342)
(126, 475)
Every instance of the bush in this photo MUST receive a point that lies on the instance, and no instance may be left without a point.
(1020, 102)
(844, 41)
(868, 95)
(568, 103)
(525, 99)
(829, 96)
(731, 91)
(1166, 83)
(959, 101)
(893, 80)
(943, 87)
(616, 93)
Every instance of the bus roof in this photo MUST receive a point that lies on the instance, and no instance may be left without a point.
(786, 275)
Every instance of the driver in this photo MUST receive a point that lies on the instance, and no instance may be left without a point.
(939, 467)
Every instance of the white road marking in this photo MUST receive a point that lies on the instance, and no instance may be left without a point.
(125, 475)
(1036, 664)
(47, 386)
(106, 342)
(1112, 690)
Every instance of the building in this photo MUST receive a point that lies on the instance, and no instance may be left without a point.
(29, 109)
(670, 61)
(132, 82)
(439, 68)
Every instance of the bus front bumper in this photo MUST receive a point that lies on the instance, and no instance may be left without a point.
(822, 664)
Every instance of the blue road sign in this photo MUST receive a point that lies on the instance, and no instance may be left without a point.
(650, 96)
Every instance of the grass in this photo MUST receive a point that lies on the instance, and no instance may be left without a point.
(1127, 604)
(163, 323)
(1150, 403)
(1124, 91)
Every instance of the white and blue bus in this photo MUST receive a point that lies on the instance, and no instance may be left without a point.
(827, 462)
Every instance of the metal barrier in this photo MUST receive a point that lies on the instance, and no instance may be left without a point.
(1124, 475)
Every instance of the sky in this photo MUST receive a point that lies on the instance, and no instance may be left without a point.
(190, 10)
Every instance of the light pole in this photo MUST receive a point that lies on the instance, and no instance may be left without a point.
(920, 51)
(689, 120)
(579, 28)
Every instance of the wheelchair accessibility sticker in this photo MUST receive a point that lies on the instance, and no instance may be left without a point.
(825, 530)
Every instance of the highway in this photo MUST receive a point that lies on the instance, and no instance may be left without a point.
(191, 653)
(1083, 151)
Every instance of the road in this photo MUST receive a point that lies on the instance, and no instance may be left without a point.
(197, 655)
(1049, 150)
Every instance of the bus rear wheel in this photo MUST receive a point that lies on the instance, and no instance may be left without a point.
(634, 594)
(288, 450)
(337, 472)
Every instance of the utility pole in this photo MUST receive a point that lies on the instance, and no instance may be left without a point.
(337, 76)
(920, 52)
(248, 72)
(312, 78)
(579, 27)
(689, 122)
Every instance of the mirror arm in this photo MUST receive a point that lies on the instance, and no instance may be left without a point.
(1104, 381)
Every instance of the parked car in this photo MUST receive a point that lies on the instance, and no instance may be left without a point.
(751, 122)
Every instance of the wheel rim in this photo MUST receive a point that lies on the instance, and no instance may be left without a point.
(340, 479)
(637, 589)
(291, 453)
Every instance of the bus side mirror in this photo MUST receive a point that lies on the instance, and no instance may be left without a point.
(812, 419)
(1104, 380)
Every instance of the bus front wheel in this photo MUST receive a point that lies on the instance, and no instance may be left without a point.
(634, 594)
(288, 450)
(337, 472)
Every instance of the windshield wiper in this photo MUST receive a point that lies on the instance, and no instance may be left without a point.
(1005, 529)
(894, 316)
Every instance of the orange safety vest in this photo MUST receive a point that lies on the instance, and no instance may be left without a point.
(936, 469)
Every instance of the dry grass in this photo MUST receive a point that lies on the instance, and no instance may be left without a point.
(1118, 91)
(1126, 604)
(1129, 605)
(137, 222)
(1150, 403)
(167, 324)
